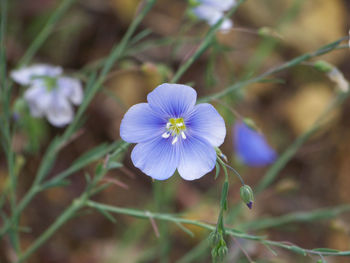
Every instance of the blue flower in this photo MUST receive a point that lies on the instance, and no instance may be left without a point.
(251, 146)
(172, 133)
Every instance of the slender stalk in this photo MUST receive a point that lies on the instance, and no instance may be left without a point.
(294, 62)
(6, 91)
(174, 219)
(63, 218)
(298, 217)
(273, 172)
(55, 146)
(205, 44)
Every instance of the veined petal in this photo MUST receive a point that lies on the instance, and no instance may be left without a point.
(172, 100)
(38, 99)
(24, 76)
(157, 158)
(251, 146)
(205, 122)
(141, 124)
(197, 158)
(71, 88)
(59, 113)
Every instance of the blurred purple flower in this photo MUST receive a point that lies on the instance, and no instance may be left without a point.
(172, 133)
(251, 146)
(49, 94)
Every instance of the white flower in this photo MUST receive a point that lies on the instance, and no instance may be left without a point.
(25, 76)
(50, 94)
(212, 15)
(221, 5)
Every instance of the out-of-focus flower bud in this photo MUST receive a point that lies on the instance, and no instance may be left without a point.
(247, 195)
(222, 251)
(214, 238)
(323, 66)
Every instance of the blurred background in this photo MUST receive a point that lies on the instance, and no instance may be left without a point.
(316, 177)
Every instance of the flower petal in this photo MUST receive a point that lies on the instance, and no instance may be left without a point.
(71, 88)
(59, 113)
(208, 13)
(38, 99)
(197, 158)
(157, 158)
(221, 5)
(24, 76)
(251, 146)
(212, 15)
(172, 100)
(226, 26)
(141, 124)
(205, 122)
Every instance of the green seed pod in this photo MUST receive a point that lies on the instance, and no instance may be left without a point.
(323, 66)
(247, 195)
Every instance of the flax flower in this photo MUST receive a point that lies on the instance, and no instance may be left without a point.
(172, 133)
(251, 146)
(50, 93)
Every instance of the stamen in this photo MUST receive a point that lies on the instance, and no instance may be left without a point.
(175, 127)
(166, 135)
(174, 140)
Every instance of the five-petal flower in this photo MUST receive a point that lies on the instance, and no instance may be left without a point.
(172, 133)
(49, 94)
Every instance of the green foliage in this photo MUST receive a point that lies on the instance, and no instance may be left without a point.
(107, 156)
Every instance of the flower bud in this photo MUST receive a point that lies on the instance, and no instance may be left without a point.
(214, 238)
(323, 66)
(247, 195)
(214, 252)
(222, 251)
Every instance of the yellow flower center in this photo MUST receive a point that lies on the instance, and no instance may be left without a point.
(175, 127)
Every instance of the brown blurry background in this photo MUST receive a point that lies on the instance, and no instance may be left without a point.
(317, 176)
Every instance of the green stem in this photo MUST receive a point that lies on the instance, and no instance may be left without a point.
(272, 173)
(55, 146)
(204, 45)
(171, 218)
(298, 217)
(63, 218)
(223, 202)
(6, 91)
(294, 62)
